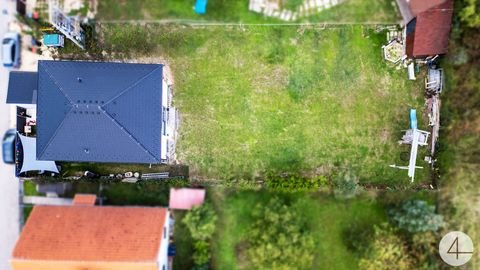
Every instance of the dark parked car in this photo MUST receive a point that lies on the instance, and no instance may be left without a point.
(8, 146)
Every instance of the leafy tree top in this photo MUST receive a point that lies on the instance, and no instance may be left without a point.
(416, 216)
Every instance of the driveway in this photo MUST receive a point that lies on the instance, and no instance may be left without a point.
(9, 185)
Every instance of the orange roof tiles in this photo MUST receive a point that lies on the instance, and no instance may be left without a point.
(78, 265)
(96, 234)
(84, 199)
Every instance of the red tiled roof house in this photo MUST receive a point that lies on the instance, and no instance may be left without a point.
(427, 26)
(87, 237)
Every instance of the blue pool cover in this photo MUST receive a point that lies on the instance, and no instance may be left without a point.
(51, 39)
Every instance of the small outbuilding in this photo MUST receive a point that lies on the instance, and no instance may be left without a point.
(427, 26)
(186, 198)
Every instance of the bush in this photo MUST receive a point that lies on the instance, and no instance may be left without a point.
(470, 13)
(424, 247)
(279, 238)
(201, 256)
(386, 251)
(295, 183)
(345, 185)
(416, 216)
(201, 221)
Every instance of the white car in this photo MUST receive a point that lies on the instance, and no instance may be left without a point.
(11, 50)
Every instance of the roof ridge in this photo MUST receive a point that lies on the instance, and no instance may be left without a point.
(56, 83)
(45, 68)
(130, 135)
(131, 86)
(124, 129)
(54, 134)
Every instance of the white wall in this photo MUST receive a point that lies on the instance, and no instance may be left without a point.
(162, 258)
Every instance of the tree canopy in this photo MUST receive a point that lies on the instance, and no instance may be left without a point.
(279, 238)
(416, 216)
(386, 251)
(470, 13)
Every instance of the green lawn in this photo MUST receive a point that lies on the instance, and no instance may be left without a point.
(30, 188)
(286, 100)
(330, 221)
(280, 99)
(353, 11)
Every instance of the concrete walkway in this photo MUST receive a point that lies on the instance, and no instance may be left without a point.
(46, 200)
(309, 7)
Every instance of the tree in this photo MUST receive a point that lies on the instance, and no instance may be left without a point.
(201, 221)
(386, 251)
(345, 185)
(279, 238)
(470, 13)
(416, 216)
(424, 247)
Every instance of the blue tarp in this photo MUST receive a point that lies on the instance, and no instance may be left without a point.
(201, 7)
(413, 119)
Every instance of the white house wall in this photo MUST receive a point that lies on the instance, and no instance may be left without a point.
(162, 259)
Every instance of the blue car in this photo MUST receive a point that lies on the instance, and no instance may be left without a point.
(8, 146)
(11, 50)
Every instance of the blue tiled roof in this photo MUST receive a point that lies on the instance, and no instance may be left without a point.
(99, 112)
(22, 87)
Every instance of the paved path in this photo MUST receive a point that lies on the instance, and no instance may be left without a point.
(309, 7)
(46, 200)
(9, 186)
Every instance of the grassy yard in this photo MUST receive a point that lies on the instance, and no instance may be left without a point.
(353, 11)
(329, 220)
(301, 100)
(284, 99)
(257, 100)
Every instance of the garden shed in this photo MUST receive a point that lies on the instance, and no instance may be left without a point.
(427, 26)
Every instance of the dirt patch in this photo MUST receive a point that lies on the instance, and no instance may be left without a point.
(276, 79)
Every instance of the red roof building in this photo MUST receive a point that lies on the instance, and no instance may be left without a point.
(84, 199)
(428, 24)
(93, 237)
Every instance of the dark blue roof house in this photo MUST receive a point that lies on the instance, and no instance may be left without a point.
(102, 112)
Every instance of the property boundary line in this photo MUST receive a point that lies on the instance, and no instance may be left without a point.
(206, 23)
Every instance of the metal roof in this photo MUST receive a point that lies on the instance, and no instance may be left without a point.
(22, 87)
(99, 112)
